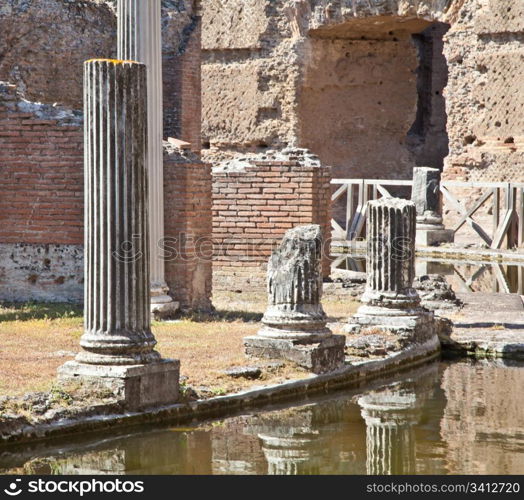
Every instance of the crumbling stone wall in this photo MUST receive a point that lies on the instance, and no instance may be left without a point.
(357, 103)
(43, 45)
(485, 93)
(365, 84)
(336, 77)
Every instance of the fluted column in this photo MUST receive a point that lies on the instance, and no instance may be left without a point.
(118, 345)
(294, 286)
(390, 441)
(140, 39)
(391, 254)
(117, 319)
(390, 304)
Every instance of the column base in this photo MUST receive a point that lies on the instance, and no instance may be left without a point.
(434, 237)
(163, 307)
(136, 386)
(161, 311)
(316, 355)
(408, 327)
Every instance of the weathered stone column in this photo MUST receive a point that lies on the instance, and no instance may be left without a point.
(426, 196)
(390, 418)
(140, 39)
(294, 325)
(118, 346)
(390, 303)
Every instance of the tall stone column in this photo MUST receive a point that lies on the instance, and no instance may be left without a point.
(294, 325)
(390, 441)
(140, 39)
(426, 196)
(390, 303)
(118, 345)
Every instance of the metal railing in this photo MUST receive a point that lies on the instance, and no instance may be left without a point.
(507, 207)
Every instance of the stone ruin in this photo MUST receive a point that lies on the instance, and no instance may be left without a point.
(391, 309)
(426, 196)
(118, 345)
(294, 325)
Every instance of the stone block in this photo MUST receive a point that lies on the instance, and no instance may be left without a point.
(321, 356)
(415, 327)
(136, 386)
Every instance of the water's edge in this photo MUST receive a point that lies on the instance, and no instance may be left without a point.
(224, 406)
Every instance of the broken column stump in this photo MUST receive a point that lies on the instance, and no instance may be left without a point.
(426, 196)
(391, 306)
(294, 325)
(117, 344)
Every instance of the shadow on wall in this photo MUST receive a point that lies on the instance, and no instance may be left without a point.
(372, 105)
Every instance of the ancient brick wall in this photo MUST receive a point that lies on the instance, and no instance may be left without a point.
(41, 209)
(41, 160)
(254, 204)
(188, 249)
(182, 32)
(41, 200)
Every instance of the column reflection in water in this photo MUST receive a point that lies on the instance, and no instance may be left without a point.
(390, 418)
(295, 441)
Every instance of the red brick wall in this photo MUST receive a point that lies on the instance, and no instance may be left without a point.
(41, 181)
(188, 246)
(182, 89)
(253, 208)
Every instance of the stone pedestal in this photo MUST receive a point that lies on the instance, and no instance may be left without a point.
(294, 325)
(390, 303)
(140, 39)
(426, 196)
(118, 345)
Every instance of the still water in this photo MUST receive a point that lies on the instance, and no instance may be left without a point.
(464, 276)
(448, 417)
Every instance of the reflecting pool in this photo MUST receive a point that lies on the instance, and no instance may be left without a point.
(448, 417)
(463, 276)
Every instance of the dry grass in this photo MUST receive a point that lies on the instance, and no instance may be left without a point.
(36, 339)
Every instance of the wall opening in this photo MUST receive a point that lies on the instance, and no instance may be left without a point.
(371, 105)
(428, 138)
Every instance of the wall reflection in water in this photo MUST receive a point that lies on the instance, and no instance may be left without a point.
(459, 418)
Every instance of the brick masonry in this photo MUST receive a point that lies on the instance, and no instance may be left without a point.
(41, 159)
(41, 208)
(182, 88)
(187, 247)
(254, 206)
